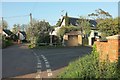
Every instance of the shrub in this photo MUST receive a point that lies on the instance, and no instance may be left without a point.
(90, 67)
(85, 41)
(6, 42)
(31, 46)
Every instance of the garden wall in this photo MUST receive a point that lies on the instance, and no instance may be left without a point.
(110, 49)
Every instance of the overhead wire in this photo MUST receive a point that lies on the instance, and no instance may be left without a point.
(17, 16)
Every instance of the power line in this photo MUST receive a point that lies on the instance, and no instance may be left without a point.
(16, 16)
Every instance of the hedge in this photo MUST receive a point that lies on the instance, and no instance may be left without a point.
(90, 67)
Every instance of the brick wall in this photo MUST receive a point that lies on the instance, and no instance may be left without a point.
(110, 49)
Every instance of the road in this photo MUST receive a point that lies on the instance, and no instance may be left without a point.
(20, 62)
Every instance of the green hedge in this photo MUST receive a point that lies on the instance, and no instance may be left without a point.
(89, 67)
(6, 42)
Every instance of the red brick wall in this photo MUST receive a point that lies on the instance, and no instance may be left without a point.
(109, 50)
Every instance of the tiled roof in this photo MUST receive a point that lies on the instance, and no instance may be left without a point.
(73, 21)
(23, 32)
(7, 32)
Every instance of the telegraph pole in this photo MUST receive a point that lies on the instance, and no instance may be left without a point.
(2, 27)
(2, 22)
(19, 34)
(31, 19)
(31, 31)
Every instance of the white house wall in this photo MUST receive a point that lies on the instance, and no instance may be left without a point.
(4, 33)
(21, 36)
(92, 36)
(57, 28)
(63, 23)
(55, 31)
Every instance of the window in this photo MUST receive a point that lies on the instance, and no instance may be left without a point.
(95, 34)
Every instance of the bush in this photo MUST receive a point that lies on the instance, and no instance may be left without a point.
(90, 67)
(42, 39)
(31, 46)
(6, 42)
(85, 41)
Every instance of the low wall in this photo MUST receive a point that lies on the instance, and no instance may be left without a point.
(109, 50)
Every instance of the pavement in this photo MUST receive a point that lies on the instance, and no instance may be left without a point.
(20, 62)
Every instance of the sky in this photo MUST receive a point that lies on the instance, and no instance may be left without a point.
(59, 0)
(51, 11)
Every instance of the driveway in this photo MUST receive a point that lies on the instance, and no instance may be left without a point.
(21, 62)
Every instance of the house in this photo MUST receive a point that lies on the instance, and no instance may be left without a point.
(21, 35)
(7, 33)
(73, 38)
(93, 36)
(67, 21)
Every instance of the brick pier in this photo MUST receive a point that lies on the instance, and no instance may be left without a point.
(109, 49)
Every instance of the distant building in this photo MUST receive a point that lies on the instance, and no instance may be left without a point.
(21, 35)
(7, 33)
(67, 21)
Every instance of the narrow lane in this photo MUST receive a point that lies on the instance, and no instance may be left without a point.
(21, 62)
(60, 58)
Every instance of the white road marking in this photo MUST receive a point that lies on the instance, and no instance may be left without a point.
(48, 70)
(47, 66)
(39, 63)
(38, 76)
(39, 66)
(46, 62)
(42, 56)
(50, 74)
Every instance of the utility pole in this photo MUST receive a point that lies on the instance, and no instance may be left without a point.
(31, 31)
(2, 27)
(31, 19)
(2, 22)
(19, 34)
